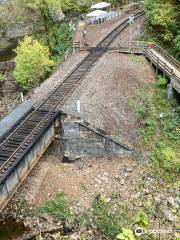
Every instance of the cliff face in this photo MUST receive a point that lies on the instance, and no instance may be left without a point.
(17, 22)
(14, 24)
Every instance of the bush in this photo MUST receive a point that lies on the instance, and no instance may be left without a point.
(162, 81)
(32, 63)
(163, 157)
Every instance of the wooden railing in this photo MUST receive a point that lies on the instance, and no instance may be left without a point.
(144, 48)
(132, 47)
(170, 58)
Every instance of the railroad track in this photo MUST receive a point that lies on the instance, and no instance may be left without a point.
(13, 147)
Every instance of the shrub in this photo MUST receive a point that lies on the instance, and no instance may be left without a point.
(32, 63)
(163, 158)
(162, 81)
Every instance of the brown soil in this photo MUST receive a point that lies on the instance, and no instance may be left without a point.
(81, 181)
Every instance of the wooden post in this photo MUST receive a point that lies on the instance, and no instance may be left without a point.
(164, 71)
(170, 91)
(157, 67)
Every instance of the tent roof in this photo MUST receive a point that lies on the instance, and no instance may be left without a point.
(101, 5)
(96, 13)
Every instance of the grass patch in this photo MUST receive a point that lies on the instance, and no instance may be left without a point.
(159, 128)
(106, 219)
(135, 58)
(59, 207)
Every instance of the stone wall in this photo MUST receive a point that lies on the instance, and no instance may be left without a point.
(82, 139)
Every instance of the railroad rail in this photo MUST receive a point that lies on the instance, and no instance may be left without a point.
(14, 146)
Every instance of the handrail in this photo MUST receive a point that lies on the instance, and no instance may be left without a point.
(175, 62)
(136, 46)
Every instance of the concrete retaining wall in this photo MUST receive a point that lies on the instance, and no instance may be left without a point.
(82, 139)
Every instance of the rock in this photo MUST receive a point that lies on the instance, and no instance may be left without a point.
(74, 237)
(147, 191)
(117, 177)
(126, 174)
(4, 45)
(177, 200)
(114, 210)
(122, 181)
(157, 200)
(108, 200)
(145, 157)
(129, 170)
(169, 216)
(171, 201)
(67, 227)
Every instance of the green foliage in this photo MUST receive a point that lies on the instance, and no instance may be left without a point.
(142, 219)
(126, 234)
(162, 81)
(2, 78)
(75, 7)
(64, 41)
(103, 218)
(107, 223)
(159, 129)
(145, 114)
(163, 157)
(177, 42)
(32, 63)
(42, 5)
(163, 23)
(59, 207)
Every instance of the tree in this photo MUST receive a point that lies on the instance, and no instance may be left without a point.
(32, 63)
(46, 8)
(164, 22)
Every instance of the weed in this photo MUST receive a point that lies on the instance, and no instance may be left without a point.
(2, 78)
(108, 224)
(159, 128)
(104, 218)
(58, 207)
(162, 81)
(135, 58)
(126, 234)
(142, 219)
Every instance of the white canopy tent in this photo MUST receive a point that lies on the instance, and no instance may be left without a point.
(101, 5)
(96, 13)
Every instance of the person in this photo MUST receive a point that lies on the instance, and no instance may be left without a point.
(84, 37)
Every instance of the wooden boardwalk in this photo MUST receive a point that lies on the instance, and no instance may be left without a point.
(158, 57)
